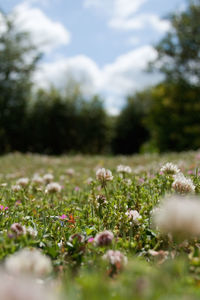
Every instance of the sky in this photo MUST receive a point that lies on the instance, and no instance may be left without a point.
(105, 45)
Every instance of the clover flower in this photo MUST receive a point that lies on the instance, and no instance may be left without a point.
(18, 229)
(115, 257)
(48, 178)
(104, 238)
(23, 182)
(21, 288)
(134, 216)
(170, 169)
(16, 188)
(37, 179)
(179, 215)
(28, 261)
(53, 187)
(104, 175)
(124, 169)
(182, 184)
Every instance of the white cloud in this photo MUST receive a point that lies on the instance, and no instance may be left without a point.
(47, 34)
(114, 81)
(139, 22)
(123, 15)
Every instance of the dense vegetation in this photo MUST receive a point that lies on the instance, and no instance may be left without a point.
(62, 216)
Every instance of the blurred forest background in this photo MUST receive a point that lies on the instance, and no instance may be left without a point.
(165, 117)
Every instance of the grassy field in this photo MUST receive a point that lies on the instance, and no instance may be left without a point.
(72, 230)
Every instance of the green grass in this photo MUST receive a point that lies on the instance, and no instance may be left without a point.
(78, 268)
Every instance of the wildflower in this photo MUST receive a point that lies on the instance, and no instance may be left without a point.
(18, 229)
(53, 187)
(134, 216)
(48, 178)
(182, 184)
(70, 172)
(179, 215)
(78, 237)
(16, 288)
(91, 240)
(3, 208)
(161, 255)
(63, 217)
(101, 199)
(104, 238)
(16, 188)
(170, 169)
(124, 169)
(115, 258)
(23, 182)
(31, 231)
(104, 175)
(37, 179)
(28, 261)
(89, 180)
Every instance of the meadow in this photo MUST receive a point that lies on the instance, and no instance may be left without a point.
(99, 227)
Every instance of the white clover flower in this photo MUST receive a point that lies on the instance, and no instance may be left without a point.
(182, 184)
(170, 169)
(16, 288)
(23, 182)
(115, 257)
(134, 216)
(179, 215)
(33, 232)
(37, 179)
(104, 238)
(53, 187)
(48, 178)
(18, 229)
(124, 169)
(28, 261)
(16, 188)
(70, 172)
(104, 175)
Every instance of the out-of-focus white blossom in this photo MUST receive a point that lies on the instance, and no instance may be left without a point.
(48, 178)
(33, 232)
(53, 187)
(170, 169)
(23, 182)
(16, 188)
(28, 261)
(182, 184)
(115, 257)
(70, 172)
(21, 288)
(134, 216)
(179, 215)
(37, 179)
(124, 169)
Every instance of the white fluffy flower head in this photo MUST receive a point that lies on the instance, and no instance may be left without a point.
(179, 215)
(104, 175)
(28, 261)
(53, 187)
(170, 169)
(124, 169)
(182, 184)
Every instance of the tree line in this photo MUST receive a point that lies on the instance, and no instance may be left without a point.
(164, 117)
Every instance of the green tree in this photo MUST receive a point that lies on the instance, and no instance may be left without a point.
(174, 117)
(179, 51)
(18, 58)
(130, 130)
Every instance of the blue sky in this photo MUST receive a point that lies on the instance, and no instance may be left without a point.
(105, 45)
